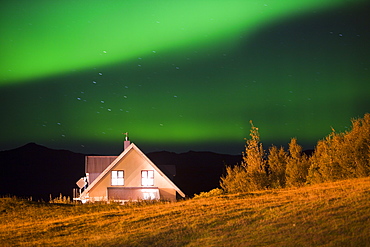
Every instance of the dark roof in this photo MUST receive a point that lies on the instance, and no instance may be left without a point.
(97, 164)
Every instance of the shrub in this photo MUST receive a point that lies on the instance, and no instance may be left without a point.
(211, 193)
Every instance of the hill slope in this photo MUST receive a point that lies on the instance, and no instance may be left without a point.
(330, 214)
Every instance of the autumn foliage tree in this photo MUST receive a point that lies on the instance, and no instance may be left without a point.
(325, 163)
(343, 155)
(297, 165)
(277, 160)
(252, 173)
(254, 161)
(337, 156)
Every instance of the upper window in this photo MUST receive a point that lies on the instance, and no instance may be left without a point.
(147, 178)
(117, 178)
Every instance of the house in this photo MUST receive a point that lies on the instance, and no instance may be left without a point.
(129, 176)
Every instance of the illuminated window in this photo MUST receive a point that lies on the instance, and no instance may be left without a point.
(117, 178)
(147, 178)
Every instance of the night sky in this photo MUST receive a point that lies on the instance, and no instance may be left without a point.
(180, 75)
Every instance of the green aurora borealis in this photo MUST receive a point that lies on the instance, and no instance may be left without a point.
(180, 75)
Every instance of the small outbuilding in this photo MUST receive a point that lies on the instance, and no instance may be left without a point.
(131, 176)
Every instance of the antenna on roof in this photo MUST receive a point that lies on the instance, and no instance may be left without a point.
(126, 134)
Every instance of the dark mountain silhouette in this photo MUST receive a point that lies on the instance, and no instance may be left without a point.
(195, 171)
(38, 172)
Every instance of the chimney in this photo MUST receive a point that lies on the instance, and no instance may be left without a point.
(127, 142)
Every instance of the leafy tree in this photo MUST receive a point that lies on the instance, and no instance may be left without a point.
(252, 173)
(297, 165)
(358, 146)
(277, 161)
(254, 161)
(326, 165)
(343, 155)
(338, 156)
(320, 163)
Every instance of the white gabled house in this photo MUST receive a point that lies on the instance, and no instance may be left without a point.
(129, 176)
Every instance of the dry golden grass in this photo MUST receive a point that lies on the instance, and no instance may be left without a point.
(330, 214)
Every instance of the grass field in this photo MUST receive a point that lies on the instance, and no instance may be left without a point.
(330, 214)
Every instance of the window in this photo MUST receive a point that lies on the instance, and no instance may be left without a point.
(117, 178)
(147, 178)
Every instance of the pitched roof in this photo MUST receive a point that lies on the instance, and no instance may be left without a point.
(115, 162)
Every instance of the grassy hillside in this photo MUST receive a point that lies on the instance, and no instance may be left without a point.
(330, 214)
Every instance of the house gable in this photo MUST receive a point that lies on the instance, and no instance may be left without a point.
(132, 161)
